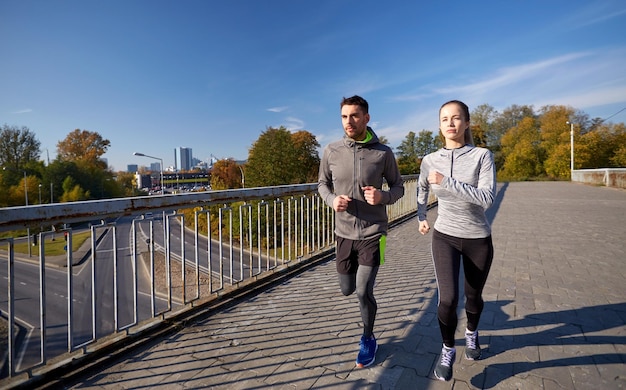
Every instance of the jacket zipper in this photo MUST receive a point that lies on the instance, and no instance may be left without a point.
(451, 162)
(355, 182)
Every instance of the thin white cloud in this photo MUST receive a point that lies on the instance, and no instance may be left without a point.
(24, 111)
(588, 99)
(604, 18)
(512, 75)
(583, 80)
(593, 14)
(292, 123)
(277, 109)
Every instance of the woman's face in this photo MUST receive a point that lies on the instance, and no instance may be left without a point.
(452, 123)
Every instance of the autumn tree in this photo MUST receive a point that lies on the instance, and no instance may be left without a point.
(501, 123)
(557, 164)
(83, 146)
(554, 128)
(510, 117)
(522, 151)
(225, 174)
(481, 118)
(127, 183)
(619, 155)
(307, 157)
(26, 188)
(598, 147)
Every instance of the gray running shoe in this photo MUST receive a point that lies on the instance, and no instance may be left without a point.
(472, 346)
(443, 370)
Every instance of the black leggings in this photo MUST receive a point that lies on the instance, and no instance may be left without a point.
(477, 255)
(363, 283)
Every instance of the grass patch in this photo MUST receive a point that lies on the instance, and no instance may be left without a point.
(56, 247)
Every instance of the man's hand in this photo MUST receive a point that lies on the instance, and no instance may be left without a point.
(372, 195)
(341, 203)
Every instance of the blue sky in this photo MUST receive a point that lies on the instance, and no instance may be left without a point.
(153, 75)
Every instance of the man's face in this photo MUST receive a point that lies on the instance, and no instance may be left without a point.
(354, 122)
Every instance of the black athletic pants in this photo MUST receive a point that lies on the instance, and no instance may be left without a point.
(477, 256)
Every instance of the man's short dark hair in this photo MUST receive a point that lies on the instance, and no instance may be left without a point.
(356, 101)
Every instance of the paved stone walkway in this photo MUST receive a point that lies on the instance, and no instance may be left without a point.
(554, 318)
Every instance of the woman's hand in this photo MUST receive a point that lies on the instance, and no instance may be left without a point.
(424, 227)
(435, 177)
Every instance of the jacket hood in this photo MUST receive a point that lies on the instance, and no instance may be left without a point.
(373, 139)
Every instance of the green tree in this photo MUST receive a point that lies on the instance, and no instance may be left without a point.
(18, 147)
(56, 173)
(275, 158)
(413, 149)
(73, 192)
(408, 155)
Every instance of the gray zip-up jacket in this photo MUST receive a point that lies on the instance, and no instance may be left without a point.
(346, 167)
(466, 191)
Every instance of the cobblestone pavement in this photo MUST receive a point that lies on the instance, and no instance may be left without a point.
(554, 314)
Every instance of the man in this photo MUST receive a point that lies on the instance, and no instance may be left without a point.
(351, 176)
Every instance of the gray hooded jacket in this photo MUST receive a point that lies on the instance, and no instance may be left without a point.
(346, 167)
(467, 190)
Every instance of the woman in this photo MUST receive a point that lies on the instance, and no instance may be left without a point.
(463, 177)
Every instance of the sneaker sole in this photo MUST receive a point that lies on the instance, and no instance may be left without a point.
(440, 378)
(471, 358)
(362, 365)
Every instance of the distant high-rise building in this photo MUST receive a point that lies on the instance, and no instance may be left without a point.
(155, 167)
(186, 159)
(132, 168)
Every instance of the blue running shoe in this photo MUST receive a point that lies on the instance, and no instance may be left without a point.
(367, 352)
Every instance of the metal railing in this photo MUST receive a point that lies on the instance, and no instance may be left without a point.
(149, 258)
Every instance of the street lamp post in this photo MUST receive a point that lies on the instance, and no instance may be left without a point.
(162, 189)
(571, 142)
(161, 168)
(30, 253)
(39, 193)
(243, 178)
